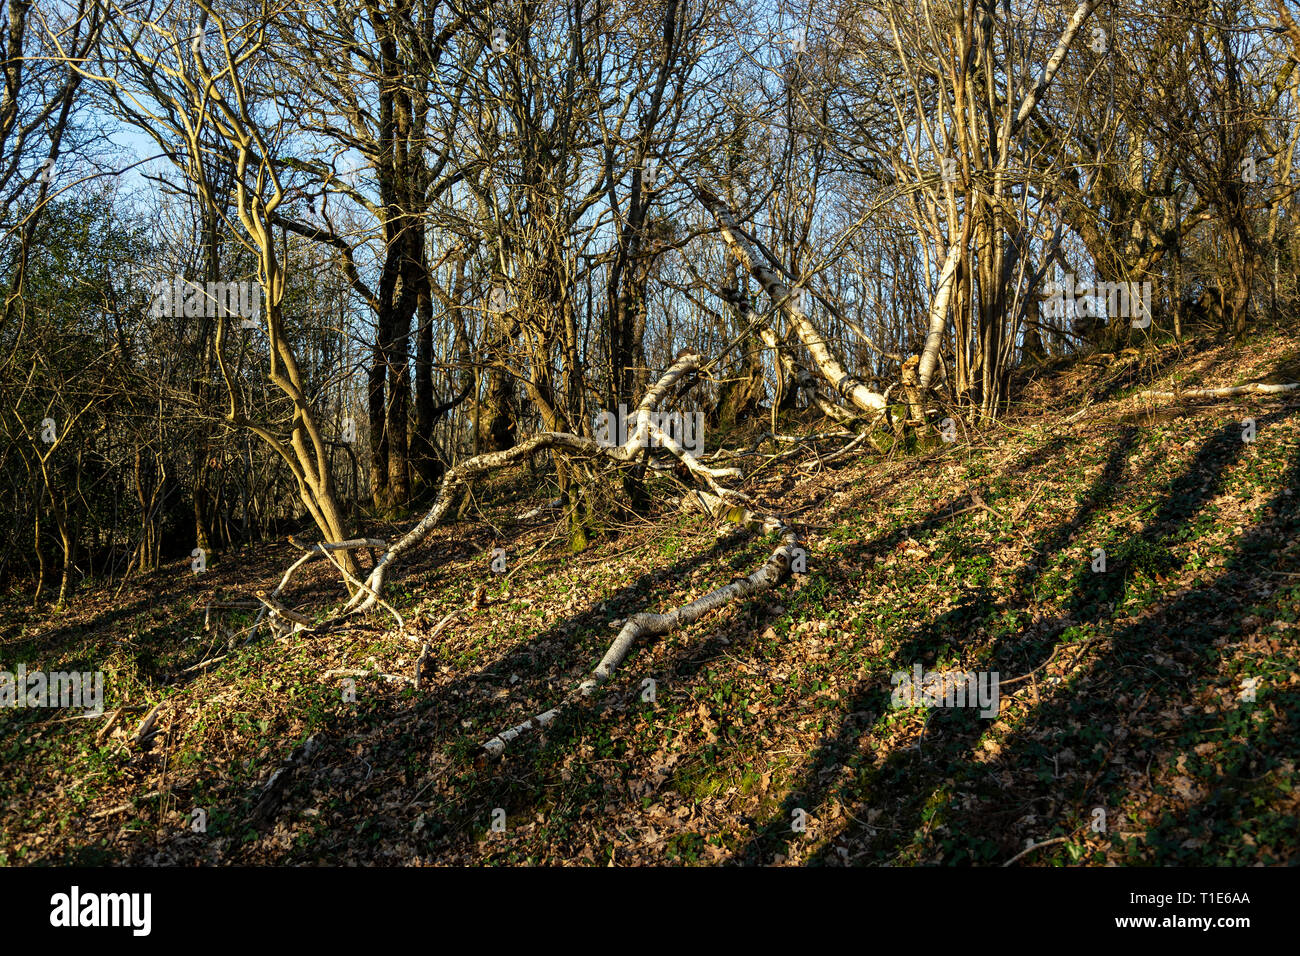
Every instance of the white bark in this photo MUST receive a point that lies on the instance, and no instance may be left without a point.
(313, 551)
(802, 378)
(939, 314)
(648, 624)
(1035, 93)
(457, 477)
(827, 363)
(1257, 387)
(939, 304)
(1089, 412)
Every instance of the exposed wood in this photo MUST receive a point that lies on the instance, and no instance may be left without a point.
(145, 732)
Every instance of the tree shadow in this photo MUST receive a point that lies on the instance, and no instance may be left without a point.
(411, 743)
(870, 699)
(394, 734)
(950, 761)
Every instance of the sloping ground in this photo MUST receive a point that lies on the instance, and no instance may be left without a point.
(1127, 691)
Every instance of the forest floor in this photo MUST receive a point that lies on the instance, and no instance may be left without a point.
(1164, 691)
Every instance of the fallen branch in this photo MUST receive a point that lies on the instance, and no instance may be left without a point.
(361, 586)
(145, 733)
(123, 807)
(278, 612)
(442, 624)
(317, 550)
(457, 478)
(358, 672)
(555, 504)
(647, 624)
(108, 727)
(203, 664)
(1038, 846)
(338, 545)
(817, 463)
(421, 663)
(268, 799)
(1258, 387)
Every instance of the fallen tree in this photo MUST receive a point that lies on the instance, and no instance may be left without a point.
(1259, 388)
(713, 499)
(366, 594)
(458, 477)
(1231, 391)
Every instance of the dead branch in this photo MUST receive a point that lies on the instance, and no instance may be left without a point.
(648, 624)
(268, 799)
(1257, 387)
(818, 463)
(458, 477)
(278, 613)
(421, 663)
(145, 733)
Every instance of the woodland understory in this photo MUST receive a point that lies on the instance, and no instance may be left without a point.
(548, 431)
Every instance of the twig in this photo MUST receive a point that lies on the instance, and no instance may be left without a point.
(1057, 650)
(1030, 849)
